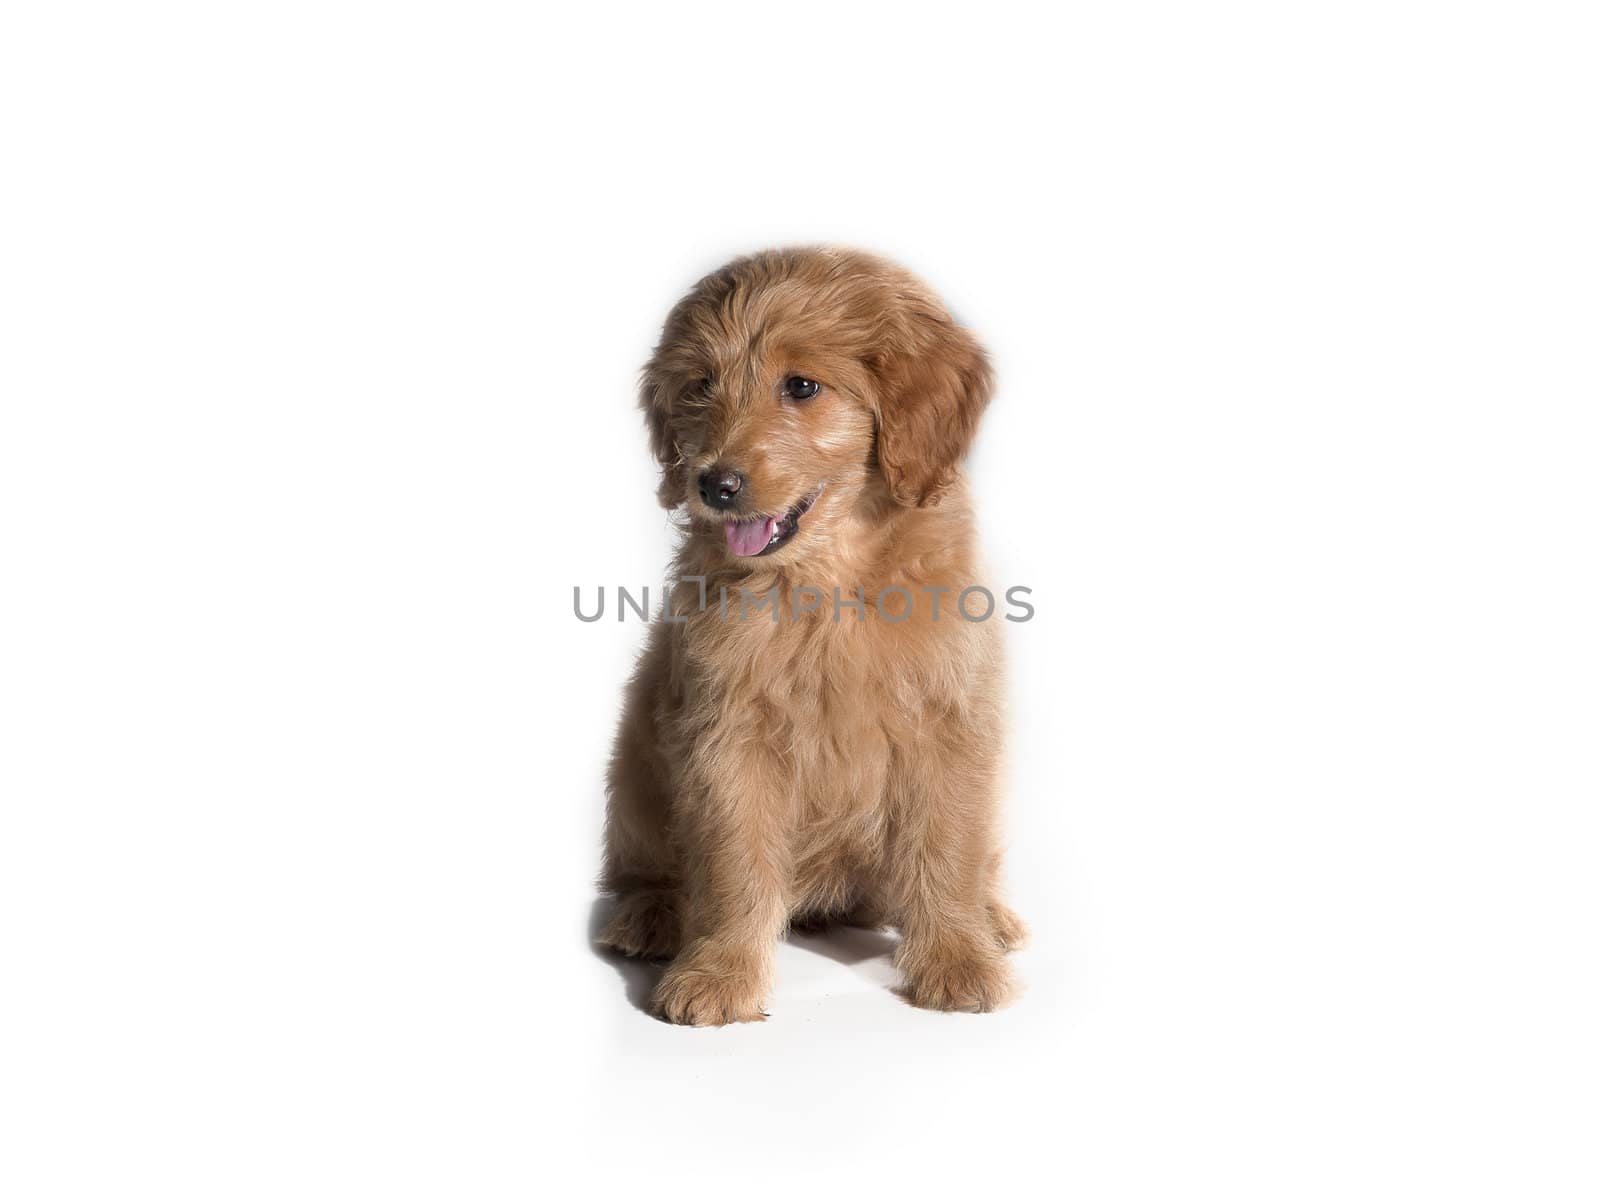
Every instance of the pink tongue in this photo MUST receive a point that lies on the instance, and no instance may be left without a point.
(749, 537)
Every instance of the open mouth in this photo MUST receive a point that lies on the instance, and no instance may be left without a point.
(756, 535)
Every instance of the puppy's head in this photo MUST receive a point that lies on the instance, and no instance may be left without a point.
(790, 382)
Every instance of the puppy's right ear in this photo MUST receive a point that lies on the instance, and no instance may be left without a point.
(655, 400)
(934, 383)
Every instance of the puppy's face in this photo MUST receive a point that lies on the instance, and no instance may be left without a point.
(765, 431)
(789, 383)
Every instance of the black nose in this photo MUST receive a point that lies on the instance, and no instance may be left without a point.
(719, 487)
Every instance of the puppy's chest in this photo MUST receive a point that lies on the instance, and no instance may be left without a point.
(822, 694)
(835, 719)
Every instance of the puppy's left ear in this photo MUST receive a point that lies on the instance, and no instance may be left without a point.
(655, 401)
(934, 382)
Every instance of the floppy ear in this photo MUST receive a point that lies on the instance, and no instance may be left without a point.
(655, 400)
(934, 382)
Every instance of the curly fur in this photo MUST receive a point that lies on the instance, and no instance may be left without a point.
(818, 766)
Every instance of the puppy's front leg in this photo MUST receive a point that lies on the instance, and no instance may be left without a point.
(735, 850)
(942, 857)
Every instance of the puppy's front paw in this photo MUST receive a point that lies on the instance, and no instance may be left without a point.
(973, 980)
(701, 992)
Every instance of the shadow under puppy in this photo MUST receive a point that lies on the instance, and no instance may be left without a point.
(833, 753)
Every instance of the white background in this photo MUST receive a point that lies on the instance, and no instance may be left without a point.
(319, 326)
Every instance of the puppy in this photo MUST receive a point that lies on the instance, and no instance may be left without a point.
(812, 733)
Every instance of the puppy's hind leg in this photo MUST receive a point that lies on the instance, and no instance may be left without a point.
(645, 924)
(1009, 930)
(646, 920)
(639, 869)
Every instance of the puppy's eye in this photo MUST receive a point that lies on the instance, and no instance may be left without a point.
(797, 388)
(706, 386)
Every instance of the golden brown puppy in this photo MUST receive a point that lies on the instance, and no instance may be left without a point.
(817, 745)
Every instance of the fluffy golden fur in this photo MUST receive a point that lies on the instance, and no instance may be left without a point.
(823, 765)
